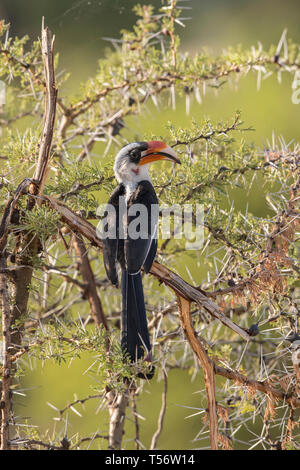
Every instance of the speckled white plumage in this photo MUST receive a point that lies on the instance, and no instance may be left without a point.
(129, 173)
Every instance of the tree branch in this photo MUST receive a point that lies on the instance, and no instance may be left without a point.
(117, 403)
(162, 412)
(207, 366)
(40, 173)
(5, 359)
(90, 283)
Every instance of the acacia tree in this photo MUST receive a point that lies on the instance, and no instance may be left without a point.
(52, 169)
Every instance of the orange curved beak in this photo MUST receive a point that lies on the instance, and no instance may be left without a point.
(158, 151)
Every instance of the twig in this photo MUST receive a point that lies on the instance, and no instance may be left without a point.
(136, 419)
(264, 387)
(79, 400)
(89, 439)
(33, 442)
(162, 412)
(222, 130)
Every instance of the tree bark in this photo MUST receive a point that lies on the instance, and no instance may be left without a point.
(5, 359)
(117, 403)
(207, 366)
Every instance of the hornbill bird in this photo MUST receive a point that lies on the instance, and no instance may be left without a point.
(137, 250)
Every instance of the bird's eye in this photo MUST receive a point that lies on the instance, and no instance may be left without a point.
(135, 156)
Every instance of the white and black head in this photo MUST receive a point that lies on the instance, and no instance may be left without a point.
(133, 160)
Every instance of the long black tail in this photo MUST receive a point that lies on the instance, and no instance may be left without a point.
(135, 336)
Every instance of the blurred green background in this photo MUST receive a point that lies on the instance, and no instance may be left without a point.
(80, 27)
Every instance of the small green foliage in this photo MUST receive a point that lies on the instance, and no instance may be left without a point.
(41, 221)
(71, 176)
(111, 367)
(20, 151)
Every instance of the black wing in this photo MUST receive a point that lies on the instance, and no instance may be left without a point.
(111, 244)
(141, 251)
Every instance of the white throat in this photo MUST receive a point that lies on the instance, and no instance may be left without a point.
(131, 185)
(131, 175)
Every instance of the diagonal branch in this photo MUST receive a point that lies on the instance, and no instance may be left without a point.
(263, 387)
(207, 365)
